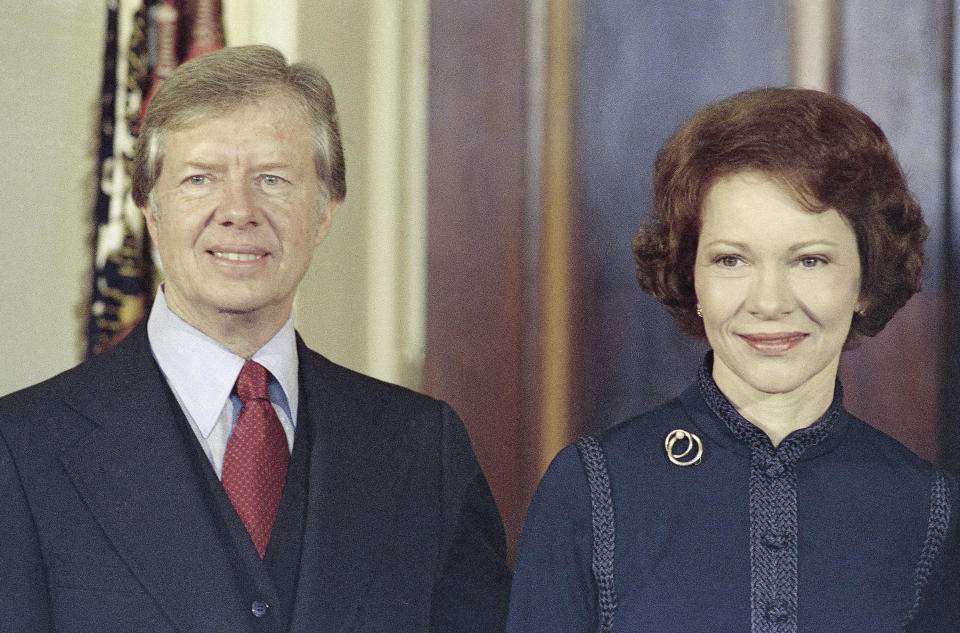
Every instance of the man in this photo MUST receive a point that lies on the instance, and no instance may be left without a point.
(155, 488)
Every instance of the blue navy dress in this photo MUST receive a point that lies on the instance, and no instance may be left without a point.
(837, 529)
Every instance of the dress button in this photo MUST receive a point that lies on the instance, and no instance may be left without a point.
(775, 540)
(778, 612)
(774, 468)
(259, 608)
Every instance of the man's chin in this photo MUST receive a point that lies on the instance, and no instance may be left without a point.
(248, 308)
(237, 310)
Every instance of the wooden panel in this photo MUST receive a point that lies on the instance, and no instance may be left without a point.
(891, 64)
(476, 278)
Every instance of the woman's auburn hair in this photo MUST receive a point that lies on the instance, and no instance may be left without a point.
(821, 149)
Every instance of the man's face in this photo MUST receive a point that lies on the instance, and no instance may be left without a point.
(236, 213)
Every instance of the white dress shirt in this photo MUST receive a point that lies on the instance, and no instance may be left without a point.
(201, 373)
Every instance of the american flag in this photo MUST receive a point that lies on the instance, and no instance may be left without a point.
(145, 41)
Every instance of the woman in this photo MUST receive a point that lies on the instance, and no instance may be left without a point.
(783, 233)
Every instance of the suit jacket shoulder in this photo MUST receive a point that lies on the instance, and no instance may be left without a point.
(403, 454)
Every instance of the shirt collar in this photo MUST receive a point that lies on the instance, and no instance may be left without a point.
(202, 372)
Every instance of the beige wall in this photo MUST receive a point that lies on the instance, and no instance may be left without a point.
(362, 301)
(49, 85)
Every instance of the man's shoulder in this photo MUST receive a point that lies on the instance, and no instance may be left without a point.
(368, 392)
(103, 376)
(50, 388)
(355, 408)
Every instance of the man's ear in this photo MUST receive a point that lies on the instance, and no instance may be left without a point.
(326, 220)
(151, 219)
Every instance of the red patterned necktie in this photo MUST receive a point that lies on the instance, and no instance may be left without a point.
(255, 462)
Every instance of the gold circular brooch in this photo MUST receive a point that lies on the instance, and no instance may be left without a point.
(693, 442)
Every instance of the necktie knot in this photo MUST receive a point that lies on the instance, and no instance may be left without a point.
(252, 382)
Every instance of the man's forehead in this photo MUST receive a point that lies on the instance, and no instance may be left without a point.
(279, 106)
(205, 145)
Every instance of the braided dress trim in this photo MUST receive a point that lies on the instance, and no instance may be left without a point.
(774, 522)
(937, 528)
(604, 539)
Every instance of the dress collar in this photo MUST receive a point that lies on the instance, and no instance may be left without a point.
(794, 445)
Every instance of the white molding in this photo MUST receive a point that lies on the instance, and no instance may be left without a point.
(811, 36)
(259, 22)
(396, 214)
(364, 303)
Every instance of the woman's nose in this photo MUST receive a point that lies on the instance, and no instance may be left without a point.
(771, 293)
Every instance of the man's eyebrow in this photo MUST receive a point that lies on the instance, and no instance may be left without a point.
(274, 164)
(214, 165)
(201, 164)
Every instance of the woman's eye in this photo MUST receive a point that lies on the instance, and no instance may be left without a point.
(728, 261)
(811, 262)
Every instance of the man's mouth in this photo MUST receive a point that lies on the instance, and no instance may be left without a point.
(238, 257)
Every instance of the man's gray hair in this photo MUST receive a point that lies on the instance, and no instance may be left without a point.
(218, 82)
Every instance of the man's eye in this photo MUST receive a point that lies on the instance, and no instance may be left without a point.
(197, 180)
(271, 180)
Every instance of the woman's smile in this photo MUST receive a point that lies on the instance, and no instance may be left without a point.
(773, 344)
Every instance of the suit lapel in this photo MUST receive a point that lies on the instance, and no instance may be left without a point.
(357, 462)
(134, 471)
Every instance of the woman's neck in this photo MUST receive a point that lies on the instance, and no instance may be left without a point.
(779, 414)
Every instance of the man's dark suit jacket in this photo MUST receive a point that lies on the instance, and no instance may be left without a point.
(106, 527)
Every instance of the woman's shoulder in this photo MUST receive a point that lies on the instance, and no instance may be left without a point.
(625, 440)
(864, 441)
(635, 437)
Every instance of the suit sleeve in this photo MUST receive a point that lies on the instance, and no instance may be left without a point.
(23, 586)
(553, 589)
(472, 589)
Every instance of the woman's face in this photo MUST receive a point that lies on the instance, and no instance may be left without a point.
(777, 286)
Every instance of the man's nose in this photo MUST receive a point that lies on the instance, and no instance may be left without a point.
(771, 293)
(238, 205)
